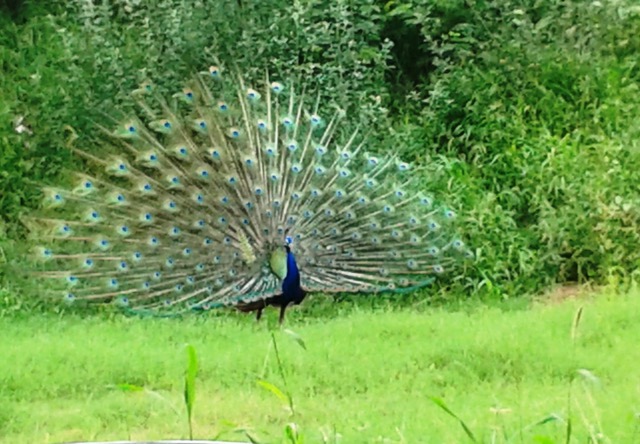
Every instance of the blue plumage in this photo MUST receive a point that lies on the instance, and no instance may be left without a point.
(292, 291)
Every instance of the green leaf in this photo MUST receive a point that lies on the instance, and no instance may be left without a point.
(273, 389)
(291, 432)
(296, 337)
(440, 403)
(129, 387)
(576, 323)
(589, 376)
(252, 439)
(190, 384)
(546, 420)
(543, 439)
(568, 432)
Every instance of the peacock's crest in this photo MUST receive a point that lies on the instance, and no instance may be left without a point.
(190, 203)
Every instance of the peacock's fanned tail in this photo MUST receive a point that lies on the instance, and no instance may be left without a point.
(188, 205)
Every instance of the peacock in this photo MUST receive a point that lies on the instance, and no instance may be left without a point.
(222, 195)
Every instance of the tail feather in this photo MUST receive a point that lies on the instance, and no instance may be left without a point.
(184, 204)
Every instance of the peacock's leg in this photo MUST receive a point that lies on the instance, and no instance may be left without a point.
(282, 310)
(259, 314)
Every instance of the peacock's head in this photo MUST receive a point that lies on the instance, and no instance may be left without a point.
(288, 240)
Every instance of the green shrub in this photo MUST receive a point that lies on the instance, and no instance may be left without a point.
(536, 102)
(68, 68)
(524, 111)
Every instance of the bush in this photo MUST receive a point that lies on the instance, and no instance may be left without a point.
(524, 111)
(66, 69)
(536, 102)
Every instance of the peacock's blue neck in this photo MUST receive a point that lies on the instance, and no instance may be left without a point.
(291, 289)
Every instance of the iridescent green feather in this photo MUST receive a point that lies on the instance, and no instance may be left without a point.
(278, 263)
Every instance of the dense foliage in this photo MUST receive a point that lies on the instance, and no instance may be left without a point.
(525, 111)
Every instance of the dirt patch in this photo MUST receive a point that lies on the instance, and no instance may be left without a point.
(565, 292)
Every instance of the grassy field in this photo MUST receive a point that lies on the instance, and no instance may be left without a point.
(365, 376)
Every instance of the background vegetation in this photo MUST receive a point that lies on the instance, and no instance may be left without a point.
(525, 111)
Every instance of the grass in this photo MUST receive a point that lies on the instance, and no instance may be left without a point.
(366, 374)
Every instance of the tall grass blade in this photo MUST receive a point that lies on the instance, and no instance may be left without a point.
(275, 390)
(440, 403)
(251, 439)
(568, 432)
(130, 387)
(576, 323)
(543, 440)
(296, 337)
(282, 375)
(546, 420)
(291, 431)
(190, 385)
(568, 429)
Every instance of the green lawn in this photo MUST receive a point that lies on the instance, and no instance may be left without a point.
(366, 374)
